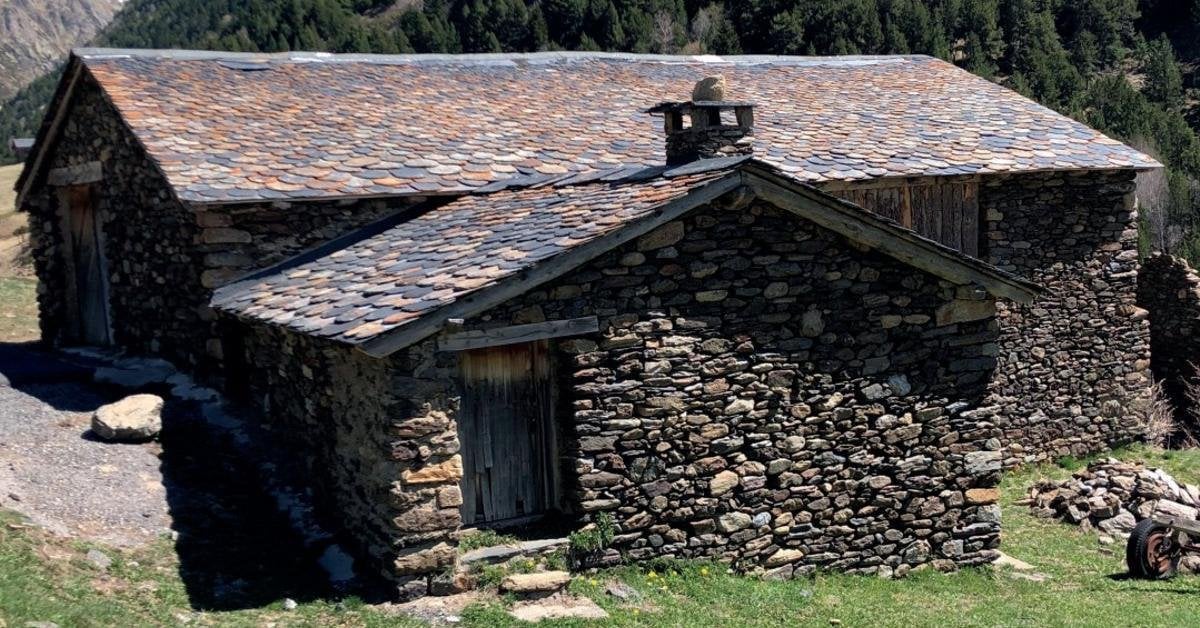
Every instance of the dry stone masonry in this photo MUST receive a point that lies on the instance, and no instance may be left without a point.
(1170, 290)
(1112, 496)
(770, 397)
(759, 393)
(165, 257)
(1073, 375)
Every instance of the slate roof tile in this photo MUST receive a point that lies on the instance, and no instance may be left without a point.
(384, 281)
(318, 125)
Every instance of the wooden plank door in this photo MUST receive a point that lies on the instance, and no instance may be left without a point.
(506, 432)
(86, 268)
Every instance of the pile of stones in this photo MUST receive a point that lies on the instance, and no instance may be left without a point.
(1112, 496)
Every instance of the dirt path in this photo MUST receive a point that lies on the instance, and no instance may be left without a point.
(53, 472)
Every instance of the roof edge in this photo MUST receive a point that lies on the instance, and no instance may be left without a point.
(56, 110)
(486, 58)
(765, 181)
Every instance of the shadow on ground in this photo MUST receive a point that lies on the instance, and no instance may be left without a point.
(235, 549)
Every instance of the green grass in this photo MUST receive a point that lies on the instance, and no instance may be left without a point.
(45, 579)
(18, 309)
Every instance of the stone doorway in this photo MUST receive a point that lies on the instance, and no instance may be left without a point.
(507, 433)
(87, 310)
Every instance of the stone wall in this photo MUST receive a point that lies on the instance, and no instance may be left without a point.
(154, 289)
(1073, 377)
(1170, 290)
(238, 238)
(763, 394)
(377, 438)
(235, 239)
(165, 256)
(759, 393)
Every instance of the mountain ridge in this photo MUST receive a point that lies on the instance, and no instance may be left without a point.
(35, 35)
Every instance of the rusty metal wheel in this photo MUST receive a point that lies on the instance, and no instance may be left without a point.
(1152, 552)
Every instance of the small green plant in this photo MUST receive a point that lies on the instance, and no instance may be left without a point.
(594, 538)
(522, 565)
(490, 576)
(556, 560)
(484, 538)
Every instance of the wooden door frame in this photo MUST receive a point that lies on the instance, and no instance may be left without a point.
(73, 323)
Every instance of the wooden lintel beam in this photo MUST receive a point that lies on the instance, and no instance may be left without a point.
(516, 334)
(79, 174)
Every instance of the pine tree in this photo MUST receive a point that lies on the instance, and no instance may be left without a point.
(612, 35)
(1164, 82)
(539, 32)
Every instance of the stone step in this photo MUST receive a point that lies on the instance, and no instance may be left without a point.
(539, 582)
(502, 553)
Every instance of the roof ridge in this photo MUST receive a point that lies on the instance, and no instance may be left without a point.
(484, 58)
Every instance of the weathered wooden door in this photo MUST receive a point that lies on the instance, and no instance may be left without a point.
(506, 431)
(87, 302)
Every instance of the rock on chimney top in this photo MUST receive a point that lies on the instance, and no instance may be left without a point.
(709, 88)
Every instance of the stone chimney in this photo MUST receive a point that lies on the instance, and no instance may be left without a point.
(707, 126)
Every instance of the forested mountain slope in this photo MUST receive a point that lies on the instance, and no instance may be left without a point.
(1112, 63)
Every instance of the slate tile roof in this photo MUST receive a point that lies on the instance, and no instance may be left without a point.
(364, 286)
(390, 279)
(227, 127)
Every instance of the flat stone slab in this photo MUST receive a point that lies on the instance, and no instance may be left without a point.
(501, 553)
(540, 582)
(1004, 560)
(564, 607)
(439, 610)
(494, 554)
(541, 545)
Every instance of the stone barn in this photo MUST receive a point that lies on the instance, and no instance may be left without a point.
(416, 262)
(731, 363)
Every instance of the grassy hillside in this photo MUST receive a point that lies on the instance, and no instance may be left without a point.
(18, 290)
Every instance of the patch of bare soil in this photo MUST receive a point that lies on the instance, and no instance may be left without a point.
(439, 609)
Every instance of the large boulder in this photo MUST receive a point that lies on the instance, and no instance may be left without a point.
(134, 418)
